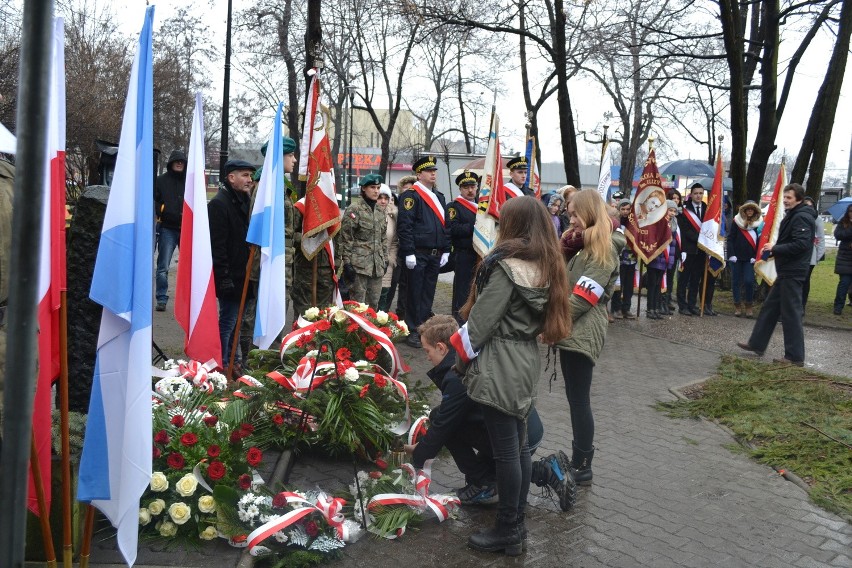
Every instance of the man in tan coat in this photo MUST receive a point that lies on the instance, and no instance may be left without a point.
(7, 176)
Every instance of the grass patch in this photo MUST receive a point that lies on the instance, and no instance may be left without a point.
(795, 419)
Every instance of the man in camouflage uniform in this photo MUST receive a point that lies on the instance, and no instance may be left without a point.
(363, 243)
(7, 176)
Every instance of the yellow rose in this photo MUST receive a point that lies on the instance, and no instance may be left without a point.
(209, 533)
(144, 517)
(382, 318)
(168, 528)
(159, 482)
(186, 485)
(207, 504)
(180, 512)
(156, 507)
(311, 314)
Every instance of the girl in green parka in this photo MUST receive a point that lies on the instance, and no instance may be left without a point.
(591, 276)
(520, 293)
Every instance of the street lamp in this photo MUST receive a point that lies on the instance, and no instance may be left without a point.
(474, 122)
(350, 89)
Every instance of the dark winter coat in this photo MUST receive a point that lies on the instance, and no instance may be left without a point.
(168, 193)
(843, 265)
(792, 250)
(460, 222)
(738, 243)
(228, 214)
(418, 227)
(688, 232)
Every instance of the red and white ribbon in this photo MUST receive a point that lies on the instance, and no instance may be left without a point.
(246, 380)
(418, 430)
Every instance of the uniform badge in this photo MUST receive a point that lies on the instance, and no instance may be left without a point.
(408, 203)
(452, 212)
(353, 215)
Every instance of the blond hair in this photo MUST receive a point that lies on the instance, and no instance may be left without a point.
(597, 235)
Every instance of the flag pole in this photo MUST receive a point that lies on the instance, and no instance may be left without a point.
(88, 530)
(236, 340)
(65, 436)
(314, 281)
(704, 282)
(639, 295)
(43, 513)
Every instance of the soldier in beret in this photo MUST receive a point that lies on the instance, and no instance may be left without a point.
(423, 243)
(363, 243)
(518, 177)
(461, 215)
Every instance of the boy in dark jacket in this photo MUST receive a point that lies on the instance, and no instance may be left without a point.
(457, 424)
(168, 203)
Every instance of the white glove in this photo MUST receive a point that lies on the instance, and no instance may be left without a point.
(732, 259)
(444, 258)
(410, 261)
(682, 257)
(753, 260)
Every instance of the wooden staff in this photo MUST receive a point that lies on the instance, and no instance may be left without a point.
(88, 530)
(236, 340)
(639, 295)
(43, 513)
(65, 436)
(704, 283)
(313, 282)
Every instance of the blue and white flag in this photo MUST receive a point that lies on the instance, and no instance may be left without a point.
(266, 230)
(115, 467)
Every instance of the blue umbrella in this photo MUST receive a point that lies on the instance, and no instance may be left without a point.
(688, 168)
(839, 209)
(727, 183)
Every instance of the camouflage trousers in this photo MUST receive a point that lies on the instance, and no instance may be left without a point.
(366, 289)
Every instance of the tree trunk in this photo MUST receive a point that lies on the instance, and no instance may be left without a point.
(568, 134)
(818, 133)
(733, 40)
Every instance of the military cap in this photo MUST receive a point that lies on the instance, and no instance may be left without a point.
(233, 165)
(467, 177)
(288, 146)
(519, 163)
(371, 179)
(426, 163)
(257, 173)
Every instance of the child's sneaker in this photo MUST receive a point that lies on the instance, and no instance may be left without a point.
(473, 494)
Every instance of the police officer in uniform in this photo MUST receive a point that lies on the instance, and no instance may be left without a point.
(515, 187)
(461, 217)
(363, 243)
(423, 243)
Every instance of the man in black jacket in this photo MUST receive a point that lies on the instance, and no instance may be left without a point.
(168, 201)
(462, 218)
(228, 213)
(792, 254)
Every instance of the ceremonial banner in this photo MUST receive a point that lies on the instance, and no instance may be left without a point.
(485, 227)
(115, 467)
(711, 235)
(195, 293)
(533, 178)
(648, 231)
(765, 266)
(605, 176)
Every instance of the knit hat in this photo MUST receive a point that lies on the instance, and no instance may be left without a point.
(385, 190)
(670, 204)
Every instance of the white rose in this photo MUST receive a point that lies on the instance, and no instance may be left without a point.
(207, 504)
(311, 314)
(186, 485)
(168, 528)
(382, 317)
(332, 310)
(159, 482)
(361, 308)
(402, 326)
(179, 512)
(312, 354)
(209, 533)
(156, 506)
(144, 517)
(351, 374)
(340, 317)
(361, 364)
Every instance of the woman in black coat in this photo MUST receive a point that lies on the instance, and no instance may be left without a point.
(742, 254)
(843, 265)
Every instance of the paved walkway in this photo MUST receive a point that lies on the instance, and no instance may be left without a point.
(666, 492)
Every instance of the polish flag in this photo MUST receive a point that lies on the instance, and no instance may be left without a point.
(195, 294)
(51, 281)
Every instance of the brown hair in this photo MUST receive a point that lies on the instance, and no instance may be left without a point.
(526, 233)
(597, 236)
(438, 329)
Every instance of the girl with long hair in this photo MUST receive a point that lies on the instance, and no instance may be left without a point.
(843, 264)
(591, 276)
(520, 293)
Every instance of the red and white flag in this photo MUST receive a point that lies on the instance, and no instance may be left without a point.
(711, 236)
(491, 194)
(51, 280)
(321, 219)
(195, 293)
(765, 265)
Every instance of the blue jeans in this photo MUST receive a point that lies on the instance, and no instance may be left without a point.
(842, 289)
(167, 241)
(228, 310)
(742, 274)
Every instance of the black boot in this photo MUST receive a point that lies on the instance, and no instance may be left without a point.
(581, 465)
(554, 473)
(504, 536)
(522, 528)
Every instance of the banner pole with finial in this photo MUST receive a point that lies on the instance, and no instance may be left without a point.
(640, 266)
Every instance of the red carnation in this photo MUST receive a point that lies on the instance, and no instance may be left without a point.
(382, 464)
(175, 460)
(214, 451)
(387, 331)
(244, 481)
(364, 390)
(350, 303)
(278, 419)
(279, 501)
(343, 354)
(254, 456)
(161, 437)
(393, 316)
(178, 420)
(312, 529)
(216, 470)
(323, 325)
(376, 474)
(189, 439)
(211, 420)
(157, 452)
(352, 327)
(370, 353)
(323, 348)
(371, 313)
(380, 381)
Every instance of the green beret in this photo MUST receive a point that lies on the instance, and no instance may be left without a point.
(371, 179)
(256, 175)
(288, 146)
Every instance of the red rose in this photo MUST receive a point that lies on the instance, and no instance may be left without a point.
(278, 419)
(393, 316)
(211, 420)
(157, 452)
(380, 381)
(178, 420)
(312, 529)
(364, 390)
(161, 437)
(189, 439)
(244, 481)
(376, 474)
(343, 354)
(323, 325)
(214, 451)
(254, 456)
(216, 470)
(382, 464)
(175, 460)
(279, 501)
(235, 437)
(246, 429)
